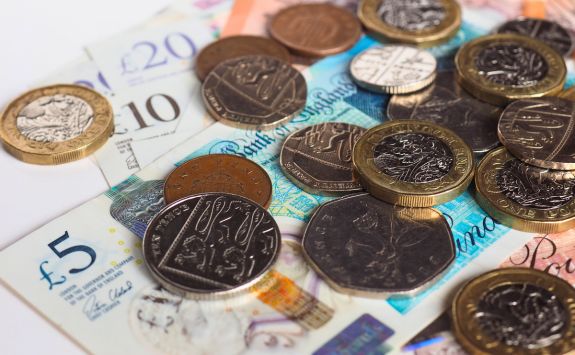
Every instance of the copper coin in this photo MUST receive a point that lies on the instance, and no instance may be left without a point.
(315, 30)
(254, 92)
(318, 158)
(219, 173)
(237, 46)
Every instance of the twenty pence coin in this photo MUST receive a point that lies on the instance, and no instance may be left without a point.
(318, 158)
(254, 92)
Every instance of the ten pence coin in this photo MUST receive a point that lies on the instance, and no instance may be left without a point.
(237, 46)
(219, 173)
(315, 30)
(550, 32)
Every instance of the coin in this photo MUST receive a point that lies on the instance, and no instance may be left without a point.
(525, 197)
(417, 22)
(447, 104)
(211, 245)
(413, 163)
(56, 124)
(515, 311)
(318, 158)
(568, 94)
(365, 247)
(219, 173)
(315, 30)
(550, 32)
(393, 69)
(504, 67)
(237, 46)
(254, 92)
(540, 132)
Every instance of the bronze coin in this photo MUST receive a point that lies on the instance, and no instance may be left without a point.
(315, 30)
(219, 173)
(318, 158)
(254, 92)
(237, 46)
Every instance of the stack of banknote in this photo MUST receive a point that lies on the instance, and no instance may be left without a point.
(86, 271)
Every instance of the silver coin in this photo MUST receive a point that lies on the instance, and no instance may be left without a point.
(319, 158)
(540, 132)
(447, 104)
(254, 92)
(363, 246)
(393, 69)
(552, 33)
(211, 245)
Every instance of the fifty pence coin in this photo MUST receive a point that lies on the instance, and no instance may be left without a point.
(254, 92)
(515, 311)
(237, 46)
(550, 32)
(315, 30)
(448, 105)
(56, 124)
(413, 163)
(365, 247)
(319, 158)
(211, 245)
(504, 67)
(219, 173)
(525, 197)
(393, 69)
(540, 132)
(417, 22)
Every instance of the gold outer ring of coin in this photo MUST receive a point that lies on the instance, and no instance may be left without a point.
(367, 13)
(52, 153)
(467, 330)
(508, 212)
(393, 191)
(469, 78)
(568, 94)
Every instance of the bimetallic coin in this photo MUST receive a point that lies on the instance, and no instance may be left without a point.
(234, 47)
(568, 94)
(504, 67)
(211, 245)
(365, 247)
(523, 196)
(420, 22)
(515, 311)
(56, 124)
(540, 132)
(254, 92)
(447, 104)
(319, 158)
(552, 33)
(219, 173)
(413, 163)
(393, 69)
(315, 30)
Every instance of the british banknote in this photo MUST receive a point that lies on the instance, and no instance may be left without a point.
(84, 271)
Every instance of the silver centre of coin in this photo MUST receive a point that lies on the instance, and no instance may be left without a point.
(412, 15)
(55, 118)
(393, 69)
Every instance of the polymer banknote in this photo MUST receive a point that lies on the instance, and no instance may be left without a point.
(84, 271)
